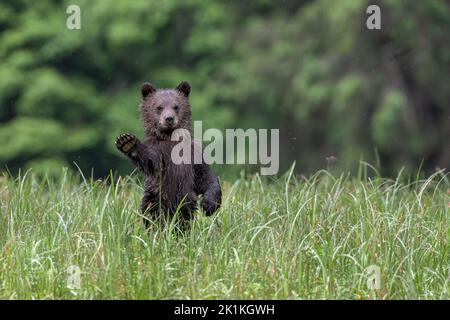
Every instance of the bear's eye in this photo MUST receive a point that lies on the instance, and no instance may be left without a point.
(159, 108)
(176, 108)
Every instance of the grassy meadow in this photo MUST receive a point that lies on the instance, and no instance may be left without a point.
(288, 238)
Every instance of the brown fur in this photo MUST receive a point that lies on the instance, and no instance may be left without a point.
(168, 186)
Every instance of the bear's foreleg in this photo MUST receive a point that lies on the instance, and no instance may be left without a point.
(207, 184)
(144, 158)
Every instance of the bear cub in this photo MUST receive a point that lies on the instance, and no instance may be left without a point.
(168, 186)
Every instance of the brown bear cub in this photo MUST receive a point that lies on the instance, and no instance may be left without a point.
(168, 187)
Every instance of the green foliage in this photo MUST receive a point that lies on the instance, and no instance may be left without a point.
(310, 68)
(388, 118)
(308, 238)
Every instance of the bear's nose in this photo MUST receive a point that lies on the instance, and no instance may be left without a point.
(169, 120)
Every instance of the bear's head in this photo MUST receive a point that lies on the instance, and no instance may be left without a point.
(164, 110)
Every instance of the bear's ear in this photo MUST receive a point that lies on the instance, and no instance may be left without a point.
(184, 88)
(147, 89)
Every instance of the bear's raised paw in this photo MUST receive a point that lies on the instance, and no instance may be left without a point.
(125, 142)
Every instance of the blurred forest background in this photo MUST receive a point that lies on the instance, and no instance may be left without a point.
(310, 68)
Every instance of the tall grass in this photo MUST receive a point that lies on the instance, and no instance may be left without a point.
(286, 238)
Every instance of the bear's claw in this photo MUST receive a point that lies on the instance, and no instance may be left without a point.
(125, 142)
